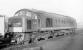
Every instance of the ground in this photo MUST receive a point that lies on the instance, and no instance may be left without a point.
(67, 43)
(64, 43)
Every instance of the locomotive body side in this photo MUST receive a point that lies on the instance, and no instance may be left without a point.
(54, 25)
(56, 21)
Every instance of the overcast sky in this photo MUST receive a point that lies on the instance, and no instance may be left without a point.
(73, 8)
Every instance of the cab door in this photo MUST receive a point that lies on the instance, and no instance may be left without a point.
(29, 24)
(32, 25)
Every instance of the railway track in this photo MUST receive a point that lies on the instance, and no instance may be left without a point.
(23, 46)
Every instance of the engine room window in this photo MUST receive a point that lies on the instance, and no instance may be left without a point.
(38, 21)
(49, 22)
(20, 13)
(28, 14)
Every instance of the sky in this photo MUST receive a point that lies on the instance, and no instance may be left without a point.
(73, 8)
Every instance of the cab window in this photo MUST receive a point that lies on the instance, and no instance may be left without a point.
(16, 22)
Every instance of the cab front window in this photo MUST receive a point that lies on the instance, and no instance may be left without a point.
(15, 25)
(16, 22)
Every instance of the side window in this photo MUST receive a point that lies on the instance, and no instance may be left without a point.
(39, 22)
(59, 21)
(56, 21)
(49, 22)
(62, 21)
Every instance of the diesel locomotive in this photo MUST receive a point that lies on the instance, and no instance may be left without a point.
(32, 26)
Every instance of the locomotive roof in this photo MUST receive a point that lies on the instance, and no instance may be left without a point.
(51, 14)
(26, 10)
(43, 13)
(38, 12)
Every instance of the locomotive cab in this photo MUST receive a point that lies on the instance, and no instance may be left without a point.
(15, 25)
(23, 25)
(24, 22)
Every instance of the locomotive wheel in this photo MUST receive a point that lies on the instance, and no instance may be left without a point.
(36, 39)
(50, 37)
(43, 36)
(19, 37)
(64, 32)
(46, 36)
(40, 38)
(55, 35)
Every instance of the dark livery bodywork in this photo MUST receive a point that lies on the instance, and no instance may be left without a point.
(34, 24)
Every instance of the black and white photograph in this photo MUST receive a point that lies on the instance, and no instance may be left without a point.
(41, 25)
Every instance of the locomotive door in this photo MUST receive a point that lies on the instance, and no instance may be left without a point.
(32, 24)
(29, 24)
